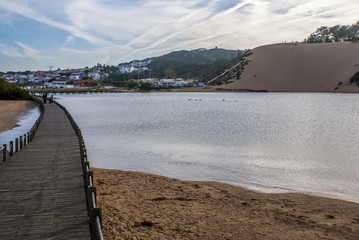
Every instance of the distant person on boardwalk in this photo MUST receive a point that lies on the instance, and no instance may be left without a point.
(44, 97)
(51, 99)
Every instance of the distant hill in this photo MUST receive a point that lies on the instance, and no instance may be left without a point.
(200, 56)
(200, 64)
(295, 67)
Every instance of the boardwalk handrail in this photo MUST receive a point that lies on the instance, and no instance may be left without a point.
(26, 138)
(4, 151)
(94, 213)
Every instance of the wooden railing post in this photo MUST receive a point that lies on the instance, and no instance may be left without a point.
(21, 142)
(16, 144)
(11, 148)
(4, 152)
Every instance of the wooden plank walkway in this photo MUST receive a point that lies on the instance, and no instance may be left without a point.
(42, 193)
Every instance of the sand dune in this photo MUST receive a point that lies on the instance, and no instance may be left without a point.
(300, 67)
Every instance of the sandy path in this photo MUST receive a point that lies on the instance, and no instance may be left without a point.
(10, 111)
(145, 206)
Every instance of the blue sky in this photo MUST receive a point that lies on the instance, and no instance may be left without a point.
(37, 34)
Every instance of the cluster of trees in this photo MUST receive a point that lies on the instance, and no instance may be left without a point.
(142, 86)
(334, 34)
(10, 91)
(200, 71)
(119, 79)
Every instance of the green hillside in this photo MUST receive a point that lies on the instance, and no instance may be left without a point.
(200, 64)
(200, 56)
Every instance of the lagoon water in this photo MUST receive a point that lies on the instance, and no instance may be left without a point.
(272, 142)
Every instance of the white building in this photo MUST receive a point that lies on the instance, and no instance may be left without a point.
(58, 84)
(75, 77)
(95, 76)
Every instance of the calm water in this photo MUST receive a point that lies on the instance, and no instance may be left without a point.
(269, 142)
(26, 121)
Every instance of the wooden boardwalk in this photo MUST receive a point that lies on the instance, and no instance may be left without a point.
(42, 193)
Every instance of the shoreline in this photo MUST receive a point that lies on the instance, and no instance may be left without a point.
(11, 111)
(265, 190)
(211, 89)
(139, 205)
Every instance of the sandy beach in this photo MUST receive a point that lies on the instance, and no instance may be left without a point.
(10, 111)
(146, 206)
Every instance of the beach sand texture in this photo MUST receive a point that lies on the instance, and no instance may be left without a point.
(300, 67)
(10, 111)
(146, 206)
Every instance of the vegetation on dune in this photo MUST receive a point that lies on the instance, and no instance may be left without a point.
(334, 34)
(9, 91)
(233, 70)
(355, 79)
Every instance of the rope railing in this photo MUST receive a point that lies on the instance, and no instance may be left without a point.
(94, 213)
(10, 149)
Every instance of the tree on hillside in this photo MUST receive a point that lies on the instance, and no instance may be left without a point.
(170, 73)
(130, 85)
(334, 34)
(353, 32)
(86, 78)
(10, 91)
(145, 86)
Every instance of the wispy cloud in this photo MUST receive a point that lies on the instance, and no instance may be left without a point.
(21, 51)
(68, 40)
(123, 30)
(10, 51)
(29, 52)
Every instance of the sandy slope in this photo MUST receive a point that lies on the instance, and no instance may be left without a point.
(300, 67)
(146, 206)
(10, 111)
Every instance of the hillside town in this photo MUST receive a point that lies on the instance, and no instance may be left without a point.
(69, 78)
(91, 77)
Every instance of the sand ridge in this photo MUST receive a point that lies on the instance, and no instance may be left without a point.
(146, 206)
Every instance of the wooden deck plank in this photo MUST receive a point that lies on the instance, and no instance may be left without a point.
(42, 192)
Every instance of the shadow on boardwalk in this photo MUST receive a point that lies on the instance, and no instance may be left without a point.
(42, 192)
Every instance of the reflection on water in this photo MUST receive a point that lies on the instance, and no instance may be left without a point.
(26, 121)
(269, 142)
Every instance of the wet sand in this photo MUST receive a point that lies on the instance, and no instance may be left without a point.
(146, 206)
(10, 111)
